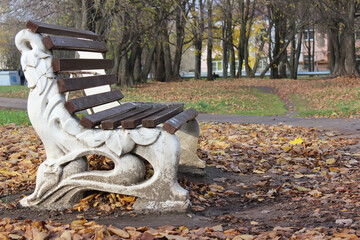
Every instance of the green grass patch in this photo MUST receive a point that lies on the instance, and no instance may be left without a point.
(302, 106)
(304, 109)
(269, 105)
(14, 91)
(331, 108)
(14, 116)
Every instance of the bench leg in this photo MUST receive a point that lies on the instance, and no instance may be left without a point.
(188, 136)
(163, 192)
(46, 182)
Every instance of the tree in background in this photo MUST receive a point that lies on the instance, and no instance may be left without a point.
(338, 19)
(246, 11)
(288, 19)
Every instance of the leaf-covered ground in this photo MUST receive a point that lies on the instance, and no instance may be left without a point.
(262, 182)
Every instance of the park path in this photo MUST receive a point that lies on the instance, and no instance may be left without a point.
(343, 126)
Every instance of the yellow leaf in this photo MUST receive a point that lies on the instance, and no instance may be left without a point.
(330, 161)
(297, 141)
(298, 175)
(345, 235)
(78, 224)
(302, 189)
(258, 172)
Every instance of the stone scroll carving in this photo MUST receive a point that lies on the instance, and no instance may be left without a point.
(64, 176)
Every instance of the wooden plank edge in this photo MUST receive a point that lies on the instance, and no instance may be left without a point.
(70, 105)
(39, 27)
(64, 86)
(49, 44)
(175, 123)
(162, 116)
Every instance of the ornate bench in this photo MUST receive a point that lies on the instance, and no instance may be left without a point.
(113, 131)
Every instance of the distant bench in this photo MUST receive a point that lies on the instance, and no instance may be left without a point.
(64, 177)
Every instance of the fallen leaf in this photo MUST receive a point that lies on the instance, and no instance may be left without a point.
(297, 141)
(244, 237)
(330, 161)
(119, 232)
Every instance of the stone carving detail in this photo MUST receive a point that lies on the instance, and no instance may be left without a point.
(64, 176)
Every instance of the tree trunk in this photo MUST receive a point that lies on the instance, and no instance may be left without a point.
(229, 39)
(349, 41)
(248, 69)
(210, 42)
(167, 56)
(138, 64)
(295, 55)
(332, 57)
(135, 50)
(283, 58)
(180, 32)
(338, 60)
(198, 47)
(122, 73)
(276, 61)
(249, 20)
(147, 65)
(225, 52)
(198, 39)
(242, 37)
(160, 74)
(84, 12)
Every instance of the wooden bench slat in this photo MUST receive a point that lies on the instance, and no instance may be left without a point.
(82, 103)
(93, 120)
(68, 43)
(115, 122)
(175, 123)
(61, 65)
(154, 120)
(38, 27)
(135, 121)
(74, 84)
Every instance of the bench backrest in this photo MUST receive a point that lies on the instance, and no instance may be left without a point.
(103, 103)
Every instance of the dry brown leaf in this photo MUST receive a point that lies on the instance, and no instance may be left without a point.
(119, 232)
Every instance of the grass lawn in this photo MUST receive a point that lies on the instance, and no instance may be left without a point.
(339, 97)
(13, 116)
(15, 91)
